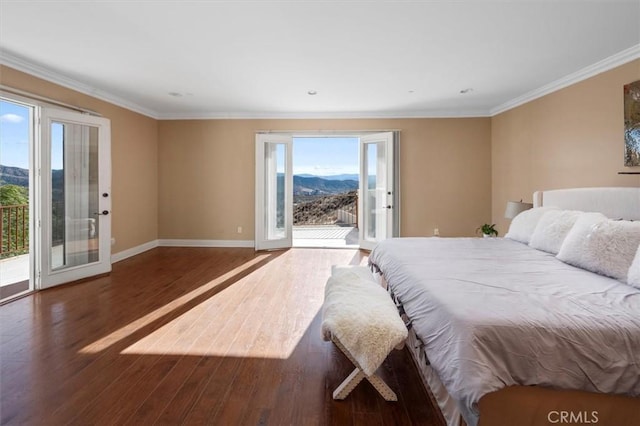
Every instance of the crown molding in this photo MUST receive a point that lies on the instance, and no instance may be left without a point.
(324, 115)
(44, 73)
(606, 64)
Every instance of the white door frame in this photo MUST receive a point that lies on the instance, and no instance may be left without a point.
(383, 212)
(49, 276)
(34, 187)
(266, 189)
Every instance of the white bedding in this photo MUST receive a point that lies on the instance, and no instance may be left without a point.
(493, 312)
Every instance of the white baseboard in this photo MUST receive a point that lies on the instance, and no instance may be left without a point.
(206, 243)
(125, 254)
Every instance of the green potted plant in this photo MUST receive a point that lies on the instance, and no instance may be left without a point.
(488, 230)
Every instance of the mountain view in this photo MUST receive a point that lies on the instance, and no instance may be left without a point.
(20, 177)
(325, 200)
(315, 185)
(319, 200)
(14, 176)
(344, 176)
(14, 191)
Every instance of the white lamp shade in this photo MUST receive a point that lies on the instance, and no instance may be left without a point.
(514, 208)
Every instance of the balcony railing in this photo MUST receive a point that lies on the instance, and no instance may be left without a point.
(14, 238)
(338, 209)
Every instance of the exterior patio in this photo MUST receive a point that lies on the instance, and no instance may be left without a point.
(326, 236)
(14, 275)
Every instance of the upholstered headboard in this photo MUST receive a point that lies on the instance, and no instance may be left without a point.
(615, 203)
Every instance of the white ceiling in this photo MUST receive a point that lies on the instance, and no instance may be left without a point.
(364, 58)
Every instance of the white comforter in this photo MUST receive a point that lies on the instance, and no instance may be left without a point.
(494, 312)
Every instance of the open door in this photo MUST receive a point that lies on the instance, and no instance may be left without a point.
(274, 191)
(17, 214)
(75, 220)
(377, 190)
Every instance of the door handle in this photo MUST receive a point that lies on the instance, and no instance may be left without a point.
(389, 207)
(104, 213)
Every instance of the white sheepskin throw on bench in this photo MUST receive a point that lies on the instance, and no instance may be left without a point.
(361, 315)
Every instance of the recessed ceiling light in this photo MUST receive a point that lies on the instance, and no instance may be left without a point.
(312, 92)
(180, 94)
(467, 90)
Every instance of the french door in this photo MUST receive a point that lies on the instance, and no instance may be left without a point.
(377, 209)
(75, 196)
(17, 194)
(377, 200)
(274, 191)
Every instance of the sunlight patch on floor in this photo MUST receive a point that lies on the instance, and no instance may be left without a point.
(272, 340)
(135, 326)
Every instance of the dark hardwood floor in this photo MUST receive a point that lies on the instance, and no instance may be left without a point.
(193, 336)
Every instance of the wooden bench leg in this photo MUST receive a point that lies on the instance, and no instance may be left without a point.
(348, 384)
(356, 376)
(382, 388)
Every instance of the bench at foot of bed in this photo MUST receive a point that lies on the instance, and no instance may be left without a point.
(356, 376)
(360, 318)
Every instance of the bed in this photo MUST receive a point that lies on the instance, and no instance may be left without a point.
(503, 333)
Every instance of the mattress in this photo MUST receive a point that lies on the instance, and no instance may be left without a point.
(493, 312)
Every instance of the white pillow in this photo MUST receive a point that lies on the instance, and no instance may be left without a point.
(523, 225)
(606, 247)
(552, 229)
(633, 277)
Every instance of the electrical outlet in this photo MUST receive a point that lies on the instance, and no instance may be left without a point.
(113, 241)
(239, 229)
(436, 232)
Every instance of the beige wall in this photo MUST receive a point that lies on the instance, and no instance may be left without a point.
(570, 138)
(206, 174)
(134, 153)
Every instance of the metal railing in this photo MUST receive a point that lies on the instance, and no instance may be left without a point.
(14, 238)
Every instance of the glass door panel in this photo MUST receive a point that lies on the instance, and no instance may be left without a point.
(375, 201)
(275, 190)
(376, 187)
(75, 201)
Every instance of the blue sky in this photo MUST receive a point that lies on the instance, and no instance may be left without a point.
(14, 135)
(325, 156)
